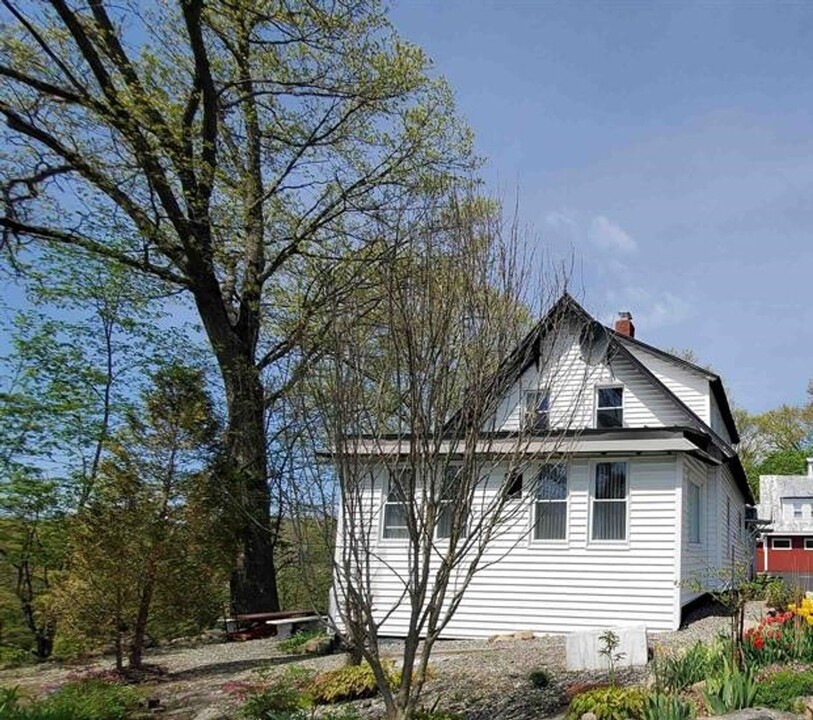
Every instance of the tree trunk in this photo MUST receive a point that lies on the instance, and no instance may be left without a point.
(253, 578)
(136, 658)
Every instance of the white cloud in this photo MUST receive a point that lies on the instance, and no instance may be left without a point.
(607, 235)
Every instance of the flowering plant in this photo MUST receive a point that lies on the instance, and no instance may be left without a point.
(781, 636)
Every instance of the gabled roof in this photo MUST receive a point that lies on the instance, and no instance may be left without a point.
(528, 350)
(714, 379)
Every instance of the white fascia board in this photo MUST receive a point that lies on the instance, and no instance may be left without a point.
(512, 446)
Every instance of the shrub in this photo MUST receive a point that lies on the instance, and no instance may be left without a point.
(11, 657)
(781, 689)
(733, 689)
(539, 678)
(667, 707)
(611, 703)
(295, 643)
(274, 702)
(678, 671)
(89, 700)
(351, 682)
(778, 594)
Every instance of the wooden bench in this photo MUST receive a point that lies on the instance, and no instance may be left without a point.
(252, 626)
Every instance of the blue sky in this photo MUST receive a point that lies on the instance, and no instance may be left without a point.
(669, 146)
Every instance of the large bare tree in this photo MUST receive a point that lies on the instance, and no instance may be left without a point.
(235, 149)
(431, 431)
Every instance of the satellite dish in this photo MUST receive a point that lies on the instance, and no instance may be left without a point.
(594, 341)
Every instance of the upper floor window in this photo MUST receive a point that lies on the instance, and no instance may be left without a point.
(550, 522)
(537, 410)
(610, 501)
(610, 407)
(693, 512)
(395, 506)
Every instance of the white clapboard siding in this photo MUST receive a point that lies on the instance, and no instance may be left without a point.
(573, 385)
(717, 423)
(691, 387)
(568, 585)
(698, 560)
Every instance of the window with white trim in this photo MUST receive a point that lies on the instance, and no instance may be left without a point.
(550, 521)
(609, 517)
(610, 407)
(537, 410)
(693, 512)
(446, 512)
(395, 506)
(808, 543)
(780, 544)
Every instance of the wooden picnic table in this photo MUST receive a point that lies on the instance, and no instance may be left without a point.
(250, 626)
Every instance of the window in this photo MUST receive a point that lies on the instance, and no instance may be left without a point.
(395, 507)
(780, 543)
(610, 501)
(537, 410)
(446, 513)
(808, 543)
(551, 503)
(610, 407)
(794, 508)
(513, 486)
(693, 512)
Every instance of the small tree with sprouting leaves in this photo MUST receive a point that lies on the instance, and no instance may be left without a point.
(425, 361)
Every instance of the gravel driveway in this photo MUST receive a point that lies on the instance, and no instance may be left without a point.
(486, 680)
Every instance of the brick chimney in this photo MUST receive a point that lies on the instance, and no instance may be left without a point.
(624, 326)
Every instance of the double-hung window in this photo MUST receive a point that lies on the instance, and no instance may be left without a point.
(609, 407)
(550, 522)
(537, 410)
(395, 505)
(443, 529)
(610, 501)
(693, 512)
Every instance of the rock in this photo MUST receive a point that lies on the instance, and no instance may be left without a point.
(316, 646)
(589, 716)
(524, 635)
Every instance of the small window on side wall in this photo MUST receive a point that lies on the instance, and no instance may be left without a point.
(808, 543)
(537, 411)
(610, 407)
(513, 486)
(693, 512)
(780, 544)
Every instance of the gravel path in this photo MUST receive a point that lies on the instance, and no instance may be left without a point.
(486, 680)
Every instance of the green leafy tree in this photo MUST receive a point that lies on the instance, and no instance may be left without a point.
(81, 346)
(239, 151)
(143, 553)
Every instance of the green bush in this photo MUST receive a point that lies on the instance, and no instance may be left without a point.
(539, 678)
(676, 672)
(667, 707)
(351, 682)
(779, 594)
(86, 700)
(610, 703)
(294, 644)
(11, 657)
(780, 690)
(276, 702)
(733, 689)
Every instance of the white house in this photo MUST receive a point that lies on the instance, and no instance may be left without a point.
(647, 497)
